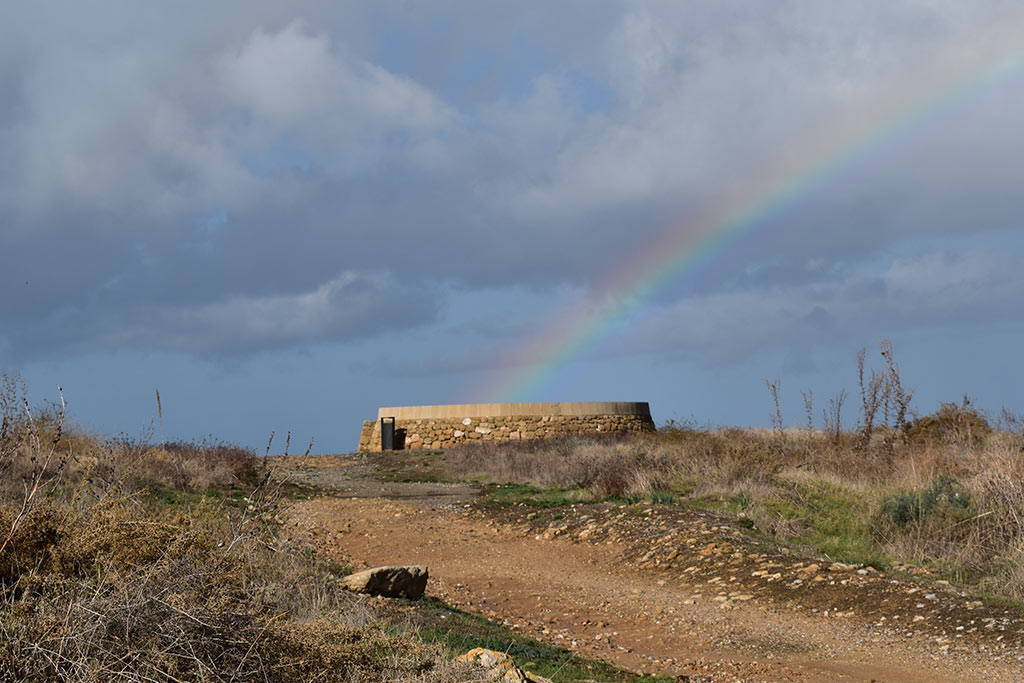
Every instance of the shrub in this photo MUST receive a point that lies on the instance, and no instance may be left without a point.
(604, 466)
(100, 579)
(944, 495)
(953, 423)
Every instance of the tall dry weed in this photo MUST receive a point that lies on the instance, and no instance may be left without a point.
(104, 577)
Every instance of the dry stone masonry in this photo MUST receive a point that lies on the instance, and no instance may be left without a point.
(444, 426)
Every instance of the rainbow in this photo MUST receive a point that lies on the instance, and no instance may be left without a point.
(701, 243)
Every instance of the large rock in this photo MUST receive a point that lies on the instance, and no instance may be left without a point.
(501, 666)
(389, 582)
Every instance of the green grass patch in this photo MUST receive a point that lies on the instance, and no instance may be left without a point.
(656, 497)
(836, 521)
(166, 495)
(459, 632)
(503, 495)
(832, 521)
(713, 504)
(990, 599)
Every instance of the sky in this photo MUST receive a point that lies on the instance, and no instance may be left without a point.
(283, 216)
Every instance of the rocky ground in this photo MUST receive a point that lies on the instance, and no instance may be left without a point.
(660, 588)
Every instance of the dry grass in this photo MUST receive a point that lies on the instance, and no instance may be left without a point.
(125, 560)
(607, 467)
(837, 492)
(122, 591)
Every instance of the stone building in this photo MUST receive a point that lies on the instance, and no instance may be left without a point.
(444, 426)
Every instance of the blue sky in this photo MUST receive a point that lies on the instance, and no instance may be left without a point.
(283, 216)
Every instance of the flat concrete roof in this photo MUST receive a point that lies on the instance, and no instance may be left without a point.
(516, 410)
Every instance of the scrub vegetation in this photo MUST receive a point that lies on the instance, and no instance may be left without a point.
(141, 560)
(124, 559)
(943, 491)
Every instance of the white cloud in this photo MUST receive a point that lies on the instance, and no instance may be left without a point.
(295, 81)
(713, 95)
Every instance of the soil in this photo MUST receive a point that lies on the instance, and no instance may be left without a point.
(659, 588)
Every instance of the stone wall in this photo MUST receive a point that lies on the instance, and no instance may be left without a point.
(568, 419)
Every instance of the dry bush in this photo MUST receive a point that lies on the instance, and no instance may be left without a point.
(980, 540)
(128, 588)
(953, 424)
(321, 649)
(614, 466)
(167, 602)
(41, 451)
(606, 467)
(129, 464)
(988, 542)
(191, 466)
(100, 579)
(114, 589)
(713, 460)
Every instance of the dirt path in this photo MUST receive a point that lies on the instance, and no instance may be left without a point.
(670, 591)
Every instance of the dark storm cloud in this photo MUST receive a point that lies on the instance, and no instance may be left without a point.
(213, 180)
(939, 291)
(350, 306)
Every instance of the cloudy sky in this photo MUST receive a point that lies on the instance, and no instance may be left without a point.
(284, 215)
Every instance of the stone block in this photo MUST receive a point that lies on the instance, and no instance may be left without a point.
(389, 582)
